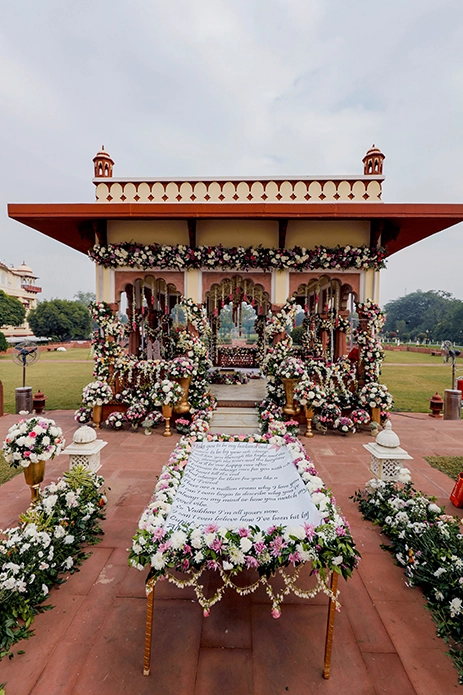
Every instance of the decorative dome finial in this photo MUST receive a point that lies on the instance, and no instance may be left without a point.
(373, 162)
(103, 165)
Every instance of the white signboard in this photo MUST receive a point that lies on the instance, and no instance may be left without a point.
(241, 483)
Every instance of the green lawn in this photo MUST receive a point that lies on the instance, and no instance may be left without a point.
(396, 356)
(60, 380)
(413, 387)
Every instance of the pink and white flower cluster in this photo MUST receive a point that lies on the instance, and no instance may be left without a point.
(33, 440)
(96, 393)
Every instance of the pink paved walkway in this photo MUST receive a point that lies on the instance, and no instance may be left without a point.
(91, 643)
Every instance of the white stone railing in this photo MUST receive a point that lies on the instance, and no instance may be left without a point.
(332, 190)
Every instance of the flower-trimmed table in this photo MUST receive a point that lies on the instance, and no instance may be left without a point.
(232, 503)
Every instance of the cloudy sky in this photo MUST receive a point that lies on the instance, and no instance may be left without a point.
(230, 87)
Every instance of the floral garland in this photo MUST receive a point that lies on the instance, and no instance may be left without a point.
(229, 551)
(46, 542)
(283, 320)
(371, 353)
(428, 544)
(196, 315)
(180, 257)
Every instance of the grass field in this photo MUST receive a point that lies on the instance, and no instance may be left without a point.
(61, 376)
(414, 358)
(413, 387)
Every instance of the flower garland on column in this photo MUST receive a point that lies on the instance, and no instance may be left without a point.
(370, 350)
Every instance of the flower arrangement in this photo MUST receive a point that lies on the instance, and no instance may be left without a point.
(309, 393)
(275, 356)
(97, 393)
(180, 257)
(344, 425)
(374, 395)
(182, 425)
(33, 440)
(291, 368)
(360, 417)
(267, 412)
(428, 544)
(329, 413)
(230, 550)
(180, 368)
(46, 542)
(135, 413)
(83, 415)
(167, 392)
(116, 421)
(152, 419)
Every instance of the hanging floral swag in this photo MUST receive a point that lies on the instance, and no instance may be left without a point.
(229, 551)
(45, 544)
(428, 544)
(179, 257)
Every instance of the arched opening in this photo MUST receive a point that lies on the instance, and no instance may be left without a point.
(236, 308)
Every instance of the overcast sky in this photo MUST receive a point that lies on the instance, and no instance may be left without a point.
(230, 87)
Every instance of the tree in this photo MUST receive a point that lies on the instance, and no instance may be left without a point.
(85, 298)
(61, 319)
(12, 312)
(435, 313)
(3, 343)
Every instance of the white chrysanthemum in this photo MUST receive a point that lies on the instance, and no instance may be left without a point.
(178, 540)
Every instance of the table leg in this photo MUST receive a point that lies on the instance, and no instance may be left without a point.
(330, 626)
(149, 626)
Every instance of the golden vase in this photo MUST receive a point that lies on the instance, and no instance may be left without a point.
(34, 474)
(290, 408)
(309, 413)
(167, 413)
(97, 415)
(376, 415)
(183, 406)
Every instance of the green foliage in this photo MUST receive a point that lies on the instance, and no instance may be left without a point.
(428, 545)
(3, 343)
(433, 314)
(12, 312)
(61, 320)
(296, 334)
(47, 542)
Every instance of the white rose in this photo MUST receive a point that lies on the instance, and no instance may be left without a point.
(245, 544)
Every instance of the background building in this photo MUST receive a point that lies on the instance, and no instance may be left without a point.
(19, 282)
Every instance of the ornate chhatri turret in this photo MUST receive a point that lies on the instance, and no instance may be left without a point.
(373, 162)
(103, 165)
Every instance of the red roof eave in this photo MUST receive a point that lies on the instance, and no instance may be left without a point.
(63, 221)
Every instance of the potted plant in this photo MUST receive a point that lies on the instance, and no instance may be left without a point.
(181, 369)
(30, 443)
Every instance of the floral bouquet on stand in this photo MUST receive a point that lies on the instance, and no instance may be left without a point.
(30, 443)
(151, 420)
(374, 395)
(116, 421)
(291, 368)
(309, 393)
(344, 425)
(33, 440)
(167, 392)
(83, 415)
(97, 393)
(180, 368)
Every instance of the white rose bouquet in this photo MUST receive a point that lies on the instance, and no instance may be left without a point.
(167, 392)
(374, 395)
(33, 440)
(96, 393)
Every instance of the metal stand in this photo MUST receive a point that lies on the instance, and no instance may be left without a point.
(150, 583)
(330, 627)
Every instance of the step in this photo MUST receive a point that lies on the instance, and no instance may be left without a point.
(234, 430)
